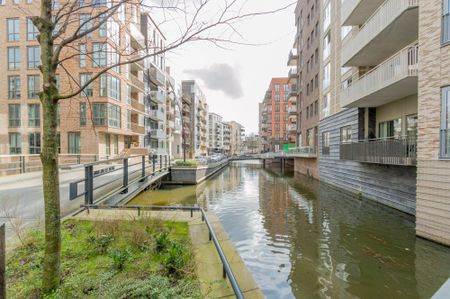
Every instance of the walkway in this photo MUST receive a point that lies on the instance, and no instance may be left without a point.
(209, 266)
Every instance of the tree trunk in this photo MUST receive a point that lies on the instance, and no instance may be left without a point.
(50, 180)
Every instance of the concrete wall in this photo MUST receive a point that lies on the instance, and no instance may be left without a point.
(194, 175)
(308, 167)
(433, 177)
(391, 185)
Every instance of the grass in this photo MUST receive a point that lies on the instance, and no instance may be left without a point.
(117, 259)
(187, 163)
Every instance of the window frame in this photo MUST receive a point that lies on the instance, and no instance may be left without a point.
(15, 33)
(75, 148)
(15, 120)
(444, 136)
(18, 143)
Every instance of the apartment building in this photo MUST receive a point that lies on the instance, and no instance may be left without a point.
(195, 119)
(433, 160)
(173, 117)
(155, 140)
(226, 138)
(216, 133)
(108, 118)
(237, 135)
(368, 127)
(278, 126)
(305, 61)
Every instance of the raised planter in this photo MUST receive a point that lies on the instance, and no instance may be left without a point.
(185, 175)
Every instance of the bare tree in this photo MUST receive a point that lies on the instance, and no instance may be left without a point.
(63, 27)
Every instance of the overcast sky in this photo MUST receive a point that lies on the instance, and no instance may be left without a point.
(234, 81)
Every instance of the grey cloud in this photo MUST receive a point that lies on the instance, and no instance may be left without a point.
(220, 76)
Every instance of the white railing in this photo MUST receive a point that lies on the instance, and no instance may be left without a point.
(292, 109)
(157, 133)
(347, 8)
(293, 72)
(157, 114)
(380, 19)
(400, 66)
(157, 96)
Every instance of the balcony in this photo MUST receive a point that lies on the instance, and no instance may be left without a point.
(393, 79)
(393, 151)
(293, 76)
(157, 76)
(292, 128)
(158, 96)
(137, 83)
(393, 26)
(293, 58)
(135, 128)
(292, 109)
(137, 106)
(157, 134)
(356, 12)
(137, 39)
(157, 115)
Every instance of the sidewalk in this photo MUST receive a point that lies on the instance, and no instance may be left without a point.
(209, 266)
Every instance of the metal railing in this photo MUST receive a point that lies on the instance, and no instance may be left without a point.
(153, 163)
(18, 164)
(303, 151)
(403, 64)
(392, 151)
(227, 272)
(387, 13)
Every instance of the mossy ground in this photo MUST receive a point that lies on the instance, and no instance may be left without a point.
(116, 259)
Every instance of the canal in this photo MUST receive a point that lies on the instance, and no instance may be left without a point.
(302, 239)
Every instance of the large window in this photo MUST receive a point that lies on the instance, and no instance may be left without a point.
(83, 52)
(14, 116)
(390, 128)
(327, 46)
(13, 58)
(446, 21)
(346, 134)
(34, 142)
(325, 143)
(99, 117)
(84, 78)
(85, 23)
(445, 123)
(411, 126)
(14, 87)
(15, 143)
(83, 117)
(34, 116)
(99, 54)
(277, 87)
(110, 86)
(13, 29)
(107, 144)
(114, 116)
(33, 86)
(74, 142)
(32, 31)
(326, 76)
(34, 57)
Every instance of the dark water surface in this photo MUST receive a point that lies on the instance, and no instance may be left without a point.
(301, 239)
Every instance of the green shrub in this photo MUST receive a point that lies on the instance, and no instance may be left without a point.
(175, 259)
(101, 243)
(187, 163)
(162, 241)
(119, 258)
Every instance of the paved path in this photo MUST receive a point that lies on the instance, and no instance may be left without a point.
(21, 195)
(209, 266)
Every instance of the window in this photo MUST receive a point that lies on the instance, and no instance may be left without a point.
(346, 134)
(277, 98)
(286, 88)
(310, 137)
(327, 17)
(85, 24)
(83, 117)
(16, 1)
(107, 144)
(74, 142)
(99, 54)
(391, 128)
(99, 3)
(445, 123)
(14, 116)
(326, 104)
(14, 87)
(102, 30)
(99, 117)
(33, 86)
(13, 29)
(110, 87)
(34, 116)
(446, 21)
(34, 143)
(13, 58)
(326, 76)
(15, 143)
(34, 58)
(114, 116)
(327, 46)
(411, 126)
(84, 78)
(277, 87)
(32, 31)
(129, 119)
(83, 55)
(325, 143)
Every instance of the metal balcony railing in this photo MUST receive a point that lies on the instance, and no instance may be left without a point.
(385, 15)
(392, 151)
(400, 66)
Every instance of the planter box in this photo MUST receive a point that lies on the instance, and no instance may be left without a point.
(194, 175)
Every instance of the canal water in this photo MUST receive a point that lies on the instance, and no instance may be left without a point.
(302, 239)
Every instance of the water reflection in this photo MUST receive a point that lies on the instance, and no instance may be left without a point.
(303, 239)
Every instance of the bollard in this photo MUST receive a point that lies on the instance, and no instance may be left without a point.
(143, 169)
(160, 162)
(154, 162)
(22, 164)
(89, 184)
(169, 161)
(125, 175)
(165, 160)
(2, 262)
(78, 159)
